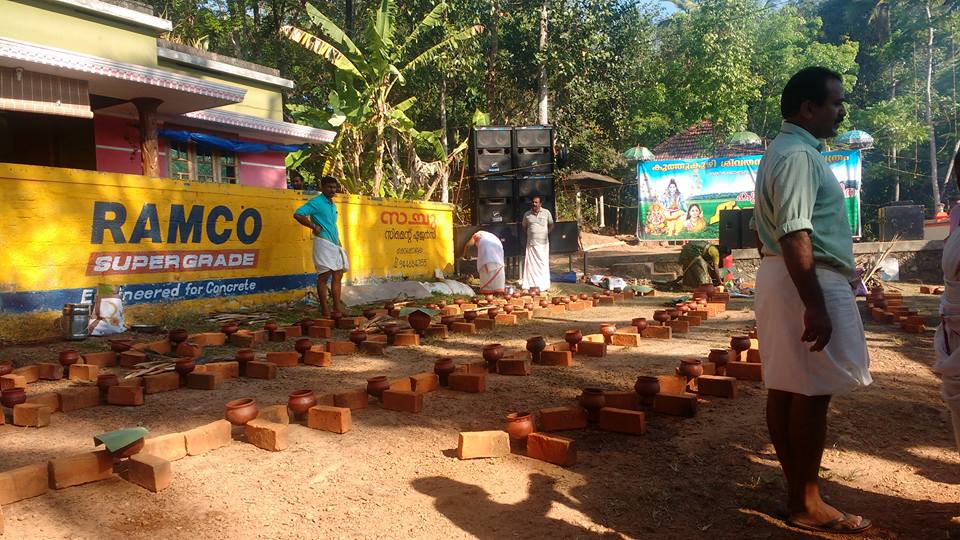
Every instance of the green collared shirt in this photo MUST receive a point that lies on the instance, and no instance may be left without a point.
(797, 191)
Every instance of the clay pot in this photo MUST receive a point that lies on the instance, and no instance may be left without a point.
(442, 304)
(6, 368)
(519, 425)
(432, 306)
(177, 335)
(230, 328)
(528, 306)
(706, 289)
(391, 330)
(448, 320)
(69, 357)
(535, 291)
(508, 309)
(646, 386)
(246, 355)
(739, 343)
(584, 296)
(369, 313)
(489, 298)
(119, 345)
(13, 396)
(691, 368)
(105, 381)
(618, 290)
(640, 323)
(305, 325)
(544, 303)
(608, 330)
(336, 315)
(377, 385)
(565, 300)
(661, 316)
(300, 401)
(573, 337)
(493, 312)
(719, 357)
(240, 411)
(443, 368)
(189, 349)
(535, 346)
(388, 306)
(683, 308)
(592, 400)
(184, 366)
(492, 353)
(133, 448)
(470, 315)
(673, 313)
(419, 321)
(271, 326)
(459, 301)
(557, 300)
(880, 303)
(302, 345)
(358, 336)
(596, 296)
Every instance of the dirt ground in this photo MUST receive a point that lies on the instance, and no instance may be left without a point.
(889, 453)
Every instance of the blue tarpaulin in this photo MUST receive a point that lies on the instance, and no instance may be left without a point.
(226, 144)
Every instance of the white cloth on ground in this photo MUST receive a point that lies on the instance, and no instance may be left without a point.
(946, 342)
(536, 263)
(490, 262)
(328, 256)
(788, 364)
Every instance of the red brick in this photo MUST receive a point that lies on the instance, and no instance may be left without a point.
(702, 314)
(657, 332)
(278, 336)
(622, 421)
(402, 400)
(349, 323)
(327, 418)
(208, 339)
(12, 381)
(376, 348)
(753, 356)
(342, 347)
(353, 399)
(125, 395)
(513, 366)
(606, 300)
(31, 373)
(483, 323)
(424, 382)
(207, 381)
(406, 340)
(84, 372)
(47, 399)
(691, 320)
(591, 348)
(163, 382)
(284, 358)
(319, 332)
(625, 339)
(135, 382)
(467, 382)
(150, 472)
(622, 400)
(81, 397)
(403, 383)
(317, 357)
(523, 315)
(50, 371)
(675, 404)
(293, 331)
(129, 359)
(672, 384)
(576, 306)
(436, 332)
(483, 444)
(326, 399)
(23, 483)
(202, 439)
(556, 358)
(171, 447)
(552, 449)
(80, 469)
(463, 328)
(507, 319)
(324, 323)
(266, 435)
(229, 369)
(745, 371)
(243, 340)
(261, 370)
(539, 313)
(562, 418)
(712, 385)
(31, 415)
(679, 327)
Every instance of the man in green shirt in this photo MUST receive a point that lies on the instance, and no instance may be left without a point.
(319, 214)
(804, 294)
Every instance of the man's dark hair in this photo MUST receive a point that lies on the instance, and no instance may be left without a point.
(808, 84)
(328, 180)
(536, 196)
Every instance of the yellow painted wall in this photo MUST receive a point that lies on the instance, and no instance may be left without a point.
(47, 230)
(262, 101)
(57, 26)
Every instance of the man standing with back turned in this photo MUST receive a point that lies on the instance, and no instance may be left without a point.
(804, 294)
(319, 215)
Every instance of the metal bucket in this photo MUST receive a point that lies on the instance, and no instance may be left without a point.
(75, 321)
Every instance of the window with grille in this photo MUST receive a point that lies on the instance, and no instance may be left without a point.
(189, 161)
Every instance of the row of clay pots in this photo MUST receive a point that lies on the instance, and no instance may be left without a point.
(240, 411)
(13, 396)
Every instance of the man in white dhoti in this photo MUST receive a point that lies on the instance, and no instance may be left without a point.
(804, 294)
(946, 343)
(537, 224)
(489, 261)
(319, 215)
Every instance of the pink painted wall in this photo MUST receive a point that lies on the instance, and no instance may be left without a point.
(263, 170)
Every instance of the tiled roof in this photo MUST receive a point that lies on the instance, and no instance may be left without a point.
(700, 141)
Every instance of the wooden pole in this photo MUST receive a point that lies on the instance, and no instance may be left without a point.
(149, 152)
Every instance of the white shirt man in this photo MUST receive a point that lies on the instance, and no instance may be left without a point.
(537, 224)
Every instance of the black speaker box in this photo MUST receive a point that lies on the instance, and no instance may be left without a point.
(535, 185)
(730, 228)
(907, 221)
(493, 186)
(493, 137)
(493, 210)
(533, 137)
(490, 161)
(747, 238)
(508, 233)
(565, 237)
(533, 161)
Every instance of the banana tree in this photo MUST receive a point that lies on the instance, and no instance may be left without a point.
(360, 106)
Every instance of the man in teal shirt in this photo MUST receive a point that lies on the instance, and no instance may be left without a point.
(319, 215)
(804, 294)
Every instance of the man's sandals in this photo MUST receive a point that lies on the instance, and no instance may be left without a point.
(834, 526)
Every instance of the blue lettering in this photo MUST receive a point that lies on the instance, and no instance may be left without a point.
(216, 213)
(101, 223)
(148, 225)
(182, 227)
(253, 215)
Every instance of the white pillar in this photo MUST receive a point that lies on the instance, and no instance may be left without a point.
(600, 204)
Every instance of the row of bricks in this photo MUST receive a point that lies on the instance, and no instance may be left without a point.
(492, 444)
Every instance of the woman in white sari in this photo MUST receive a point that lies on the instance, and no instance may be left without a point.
(947, 340)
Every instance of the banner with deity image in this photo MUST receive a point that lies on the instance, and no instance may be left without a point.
(682, 199)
